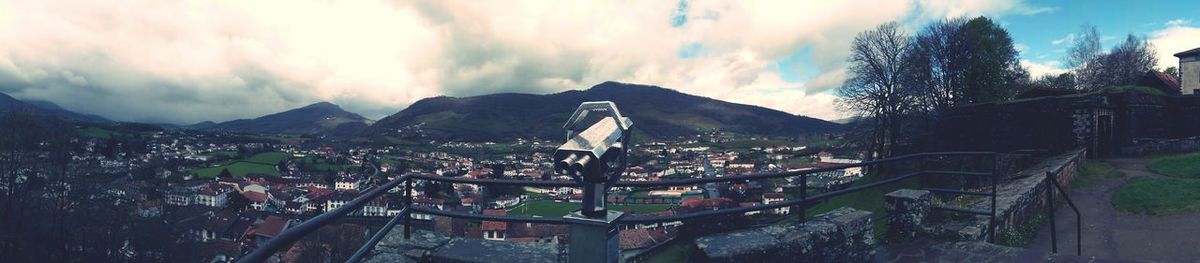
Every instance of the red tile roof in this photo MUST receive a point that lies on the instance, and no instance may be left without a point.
(494, 225)
(271, 227)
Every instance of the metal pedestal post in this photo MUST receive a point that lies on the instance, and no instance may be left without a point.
(594, 239)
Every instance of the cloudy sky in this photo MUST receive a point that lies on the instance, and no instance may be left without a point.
(190, 61)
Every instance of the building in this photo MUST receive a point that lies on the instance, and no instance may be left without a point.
(346, 183)
(771, 198)
(1189, 71)
(214, 195)
(494, 230)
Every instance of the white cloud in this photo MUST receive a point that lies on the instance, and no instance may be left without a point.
(1178, 22)
(150, 60)
(1038, 69)
(1174, 39)
(1064, 40)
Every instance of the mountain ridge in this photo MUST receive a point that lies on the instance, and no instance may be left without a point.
(656, 111)
(317, 118)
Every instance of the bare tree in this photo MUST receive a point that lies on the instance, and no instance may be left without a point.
(1127, 62)
(875, 88)
(1123, 65)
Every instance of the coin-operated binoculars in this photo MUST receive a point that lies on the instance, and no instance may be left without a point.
(595, 156)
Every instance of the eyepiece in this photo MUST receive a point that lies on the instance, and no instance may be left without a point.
(562, 165)
(582, 164)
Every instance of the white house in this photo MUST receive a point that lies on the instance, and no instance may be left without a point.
(771, 198)
(1189, 71)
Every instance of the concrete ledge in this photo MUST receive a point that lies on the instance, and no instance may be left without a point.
(841, 235)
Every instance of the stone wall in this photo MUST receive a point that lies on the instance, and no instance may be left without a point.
(841, 235)
(1018, 202)
(1149, 146)
(1101, 122)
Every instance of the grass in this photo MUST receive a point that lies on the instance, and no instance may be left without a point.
(96, 132)
(549, 208)
(1158, 196)
(676, 252)
(271, 158)
(237, 169)
(1094, 172)
(1179, 165)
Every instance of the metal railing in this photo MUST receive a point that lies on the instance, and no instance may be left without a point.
(291, 235)
(1052, 178)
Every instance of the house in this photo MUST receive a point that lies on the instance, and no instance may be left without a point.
(338, 199)
(179, 196)
(150, 208)
(1160, 81)
(432, 203)
(494, 230)
(345, 183)
(1189, 71)
(258, 200)
(213, 194)
(266, 229)
(771, 198)
(376, 207)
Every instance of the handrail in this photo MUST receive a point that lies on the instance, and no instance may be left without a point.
(362, 251)
(1050, 176)
(291, 235)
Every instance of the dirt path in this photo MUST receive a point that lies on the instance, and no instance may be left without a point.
(1108, 233)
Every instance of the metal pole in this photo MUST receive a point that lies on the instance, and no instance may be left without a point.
(1050, 210)
(995, 177)
(408, 186)
(803, 197)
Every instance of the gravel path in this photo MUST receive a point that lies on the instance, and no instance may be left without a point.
(1108, 233)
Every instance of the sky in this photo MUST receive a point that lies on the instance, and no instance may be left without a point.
(189, 61)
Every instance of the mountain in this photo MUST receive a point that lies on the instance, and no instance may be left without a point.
(318, 118)
(8, 103)
(656, 111)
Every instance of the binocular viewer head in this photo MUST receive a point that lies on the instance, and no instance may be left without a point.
(595, 150)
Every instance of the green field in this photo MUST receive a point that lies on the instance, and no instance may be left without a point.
(262, 163)
(271, 158)
(1180, 165)
(238, 169)
(1158, 196)
(549, 208)
(95, 132)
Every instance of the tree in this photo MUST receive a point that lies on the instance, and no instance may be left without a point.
(237, 201)
(875, 89)
(1174, 72)
(993, 70)
(1060, 81)
(1127, 62)
(224, 173)
(937, 58)
(959, 61)
(497, 171)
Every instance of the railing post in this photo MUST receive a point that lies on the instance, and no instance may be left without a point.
(995, 181)
(803, 198)
(594, 239)
(408, 188)
(1050, 210)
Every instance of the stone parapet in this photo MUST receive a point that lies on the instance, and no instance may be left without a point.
(841, 235)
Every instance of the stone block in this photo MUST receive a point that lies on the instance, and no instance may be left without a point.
(841, 235)
(479, 251)
(906, 212)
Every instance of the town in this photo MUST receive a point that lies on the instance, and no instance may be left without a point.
(215, 195)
